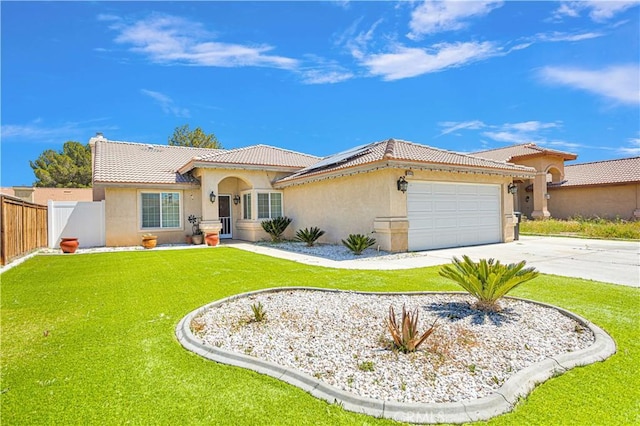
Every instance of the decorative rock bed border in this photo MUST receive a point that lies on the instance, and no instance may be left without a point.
(501, 401)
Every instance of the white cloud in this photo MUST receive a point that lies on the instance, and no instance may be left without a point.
(633, 149)
(510, 137)
(169, 39)
(531, 126)
(559, 36)
(38, 131)
(438, 16)
(452, 126)
(405, 62)
(320, 76)
(166, 103)
(599, 11)
(620, 83)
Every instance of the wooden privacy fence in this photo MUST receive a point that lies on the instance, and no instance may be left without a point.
(23, 226)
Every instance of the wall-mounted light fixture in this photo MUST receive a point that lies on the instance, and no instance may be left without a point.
(403, 185)
(236, 199)
(212, 197)
(547, 196)
(512, 188)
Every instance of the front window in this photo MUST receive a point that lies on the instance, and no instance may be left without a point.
(246, 206)
(160, 209)
(269, 205)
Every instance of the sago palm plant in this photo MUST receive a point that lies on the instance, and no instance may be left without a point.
(275, 227)
(358, 243)
(487, 280)
(309, 235)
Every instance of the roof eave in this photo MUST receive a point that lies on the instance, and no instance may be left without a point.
(236, 166)
(529, 172)
(155, 185)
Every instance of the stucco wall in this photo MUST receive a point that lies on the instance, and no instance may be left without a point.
(122, 217)
(363, 202)
(590, 201)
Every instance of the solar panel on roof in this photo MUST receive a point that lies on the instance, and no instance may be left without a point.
(339, 157)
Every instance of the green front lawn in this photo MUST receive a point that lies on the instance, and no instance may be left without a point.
(584, 228)
(89, 339)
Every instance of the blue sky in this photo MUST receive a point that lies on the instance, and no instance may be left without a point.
(321, 77)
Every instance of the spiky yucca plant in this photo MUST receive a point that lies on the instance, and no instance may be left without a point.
(406, 338)
(309, 235)
(487, 280)
(358, 243)
(275, 227)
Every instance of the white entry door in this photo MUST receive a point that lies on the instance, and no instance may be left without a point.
(445, 214)
(224, 213)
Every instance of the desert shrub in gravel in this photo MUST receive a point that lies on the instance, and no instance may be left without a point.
(487, 280)
(259, 314)
(275, 227)
(309, 235)
(358, 243)
(406, 337)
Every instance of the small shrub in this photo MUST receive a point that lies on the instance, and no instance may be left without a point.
(366, 366)
(358, 243)
(259, 314)
(275, 227)
(487, 280)
(406, 337)
(309, 235)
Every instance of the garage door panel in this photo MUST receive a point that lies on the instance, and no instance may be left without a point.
(452, 215)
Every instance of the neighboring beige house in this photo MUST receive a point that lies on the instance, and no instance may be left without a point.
(606, 189)
(38, 195)
(411, 196)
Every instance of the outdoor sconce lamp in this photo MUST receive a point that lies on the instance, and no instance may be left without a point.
(512, 188)
(403, 185)
(212, 197)
(547, 196)
(236, 199)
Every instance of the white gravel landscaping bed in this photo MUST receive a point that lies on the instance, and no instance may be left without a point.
(336, 251)
(341, 338)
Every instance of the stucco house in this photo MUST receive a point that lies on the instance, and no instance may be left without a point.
(411, 196)
(607, 189)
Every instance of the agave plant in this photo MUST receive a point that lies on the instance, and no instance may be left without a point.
(487, 280)
(358, 243)
(275, 227)
(406, 337)
(309, 235)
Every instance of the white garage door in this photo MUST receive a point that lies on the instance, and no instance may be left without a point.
(452, 215)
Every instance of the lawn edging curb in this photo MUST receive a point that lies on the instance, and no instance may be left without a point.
(501, 401)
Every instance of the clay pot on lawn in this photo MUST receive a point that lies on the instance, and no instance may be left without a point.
(212, 239)
(69, 244)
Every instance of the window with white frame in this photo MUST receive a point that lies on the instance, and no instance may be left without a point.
(246, 206)
(160, 210)
(269, 205)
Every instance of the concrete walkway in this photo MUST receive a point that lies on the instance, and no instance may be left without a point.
(616, 262)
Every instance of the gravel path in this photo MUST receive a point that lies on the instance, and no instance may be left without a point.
(341, 338)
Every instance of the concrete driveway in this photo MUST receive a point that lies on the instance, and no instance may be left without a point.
(615, 262)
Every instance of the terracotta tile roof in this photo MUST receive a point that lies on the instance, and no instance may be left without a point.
(260, 155)
(400, 151)
(513, 152)
(601, 173)
(128, 162)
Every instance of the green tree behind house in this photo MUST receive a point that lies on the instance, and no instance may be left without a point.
(68, 168)
(184, 136)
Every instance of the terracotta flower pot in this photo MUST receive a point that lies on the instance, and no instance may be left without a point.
(69, 245)
(212, 239)
(149, 242)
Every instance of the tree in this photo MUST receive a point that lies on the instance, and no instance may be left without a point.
(69, 168)
(183, 136)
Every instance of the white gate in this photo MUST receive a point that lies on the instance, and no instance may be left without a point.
(84, 220)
